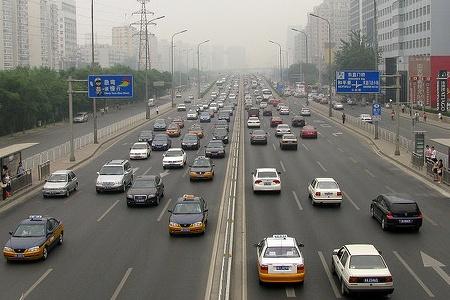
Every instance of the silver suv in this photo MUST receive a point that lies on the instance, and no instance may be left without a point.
(115, 175)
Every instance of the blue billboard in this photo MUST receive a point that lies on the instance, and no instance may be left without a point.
(357, 82)
(110, 86)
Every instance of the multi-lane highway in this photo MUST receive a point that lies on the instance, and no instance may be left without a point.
(112, 251)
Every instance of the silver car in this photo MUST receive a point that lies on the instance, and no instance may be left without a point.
(60, 183)
(115, 175)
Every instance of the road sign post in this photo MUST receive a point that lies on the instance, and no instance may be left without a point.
(376, 116)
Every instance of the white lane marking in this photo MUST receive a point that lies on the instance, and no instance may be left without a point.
(376, 151)
(389, 189)
(353, 160)
(351, 201)
(337, 133)
(121, 284)
(321, 166)
(340, 149)
(274, 148)
(24, 295)
(124, 144)
(297, 200)
(304, 146)
(107, 211)
(370, 173)
(164, 174)
(282, 166)
(290, 292)
(184, 174)
(146, 171)
(427, 218)
(414, 275)
(164, 210)
(330, 277)
(430, 262)
(329, 141)
(135, 170)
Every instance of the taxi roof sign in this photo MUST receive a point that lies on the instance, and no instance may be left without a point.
(188, 197)
(279, 236)
(35, 217)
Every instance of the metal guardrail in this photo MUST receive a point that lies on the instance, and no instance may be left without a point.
(21, 181)
(44, 170)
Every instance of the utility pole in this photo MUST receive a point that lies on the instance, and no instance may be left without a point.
(172, 59)
(70, 91)
(94, 102)
(375, 49)
(198, 67)
(397, 102)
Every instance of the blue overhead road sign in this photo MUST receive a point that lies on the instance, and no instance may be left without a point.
(110, 86)
(357, 82)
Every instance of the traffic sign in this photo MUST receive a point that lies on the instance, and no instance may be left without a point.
(110, 86)
(358, 82)
(376, 111)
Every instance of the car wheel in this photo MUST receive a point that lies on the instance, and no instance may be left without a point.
(312, 202)
(343, 288)
(157, 201)
(124, 188)
(44, 196)
(67, 193)
(333, 267)
(384, 226)
(44, 253)
(76, 187)
(61, 238)
(98, 191)
(164, 167)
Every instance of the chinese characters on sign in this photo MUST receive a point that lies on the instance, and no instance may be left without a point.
(442, 91)
(358, 82)
(110, 86)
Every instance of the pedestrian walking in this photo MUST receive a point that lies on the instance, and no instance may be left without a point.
(433, 154)
(427, 154)
(157, 110)
(425, 117)
(440, 116)
(20, 170)
(435, 171)
(440, 168)
(343, 118)
(6, 186)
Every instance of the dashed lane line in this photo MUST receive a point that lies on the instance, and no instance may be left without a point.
(330, 277)
(121, 284)
(340, 149)
(43, 276)
(321, 166)
(146, 171)
(290, 292)
(389, 189)
(164, 210)
(304, 146)
(107, 211)
(353, 160)
(274, 148)
(370, 173)
(297, 200)
(351, 201)
(282, 166)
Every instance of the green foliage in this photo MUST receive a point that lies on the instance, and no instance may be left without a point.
(355, 54)
(310, 71)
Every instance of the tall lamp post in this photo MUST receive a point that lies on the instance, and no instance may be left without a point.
(375, 49)
(330, 110)
(94, 102)
(198, 67)
(171, 49)
(281, 63)
(306, 48)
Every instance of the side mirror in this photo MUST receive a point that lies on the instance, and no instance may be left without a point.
(379, 251)
(213, 165)
(335, 252)
(169, 210)
(98, 173)
(255, 244)
(205, 210)
(300, 245)
(279, 173)
(10, 233)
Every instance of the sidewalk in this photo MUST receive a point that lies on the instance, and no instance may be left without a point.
(384, 148)
(82, 156)
(432, 119)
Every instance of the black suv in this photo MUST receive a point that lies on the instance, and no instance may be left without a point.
(160, 125)
(146, 190)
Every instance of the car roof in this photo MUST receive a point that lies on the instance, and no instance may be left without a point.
(279, 240)
(35, 219)
(65, 172)
(325, 179)
(396, 199)
(146, 177)
(116, 162)
(266, 170)
(174, 149)
(362, 249)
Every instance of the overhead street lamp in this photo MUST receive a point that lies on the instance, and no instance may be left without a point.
(306, 48)
(198, 67)
(171, 49)
(94, 102)
(330, 110)
(281, 64)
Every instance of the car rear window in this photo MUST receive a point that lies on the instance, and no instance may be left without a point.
(366, 262)
(281, 252)
(327, 185)
(404, 207)
(267, 174)
(139, 146)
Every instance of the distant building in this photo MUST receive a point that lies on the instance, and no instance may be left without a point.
(67, 34)
(126, 41)
(236, 58)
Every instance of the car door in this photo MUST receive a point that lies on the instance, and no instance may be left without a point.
(49, 228)
(259, 250)
(74, 181)
(311, 187)
(382, 209)
(128, 173)
(341, 262)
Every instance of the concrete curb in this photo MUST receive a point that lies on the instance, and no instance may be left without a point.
(21, 196)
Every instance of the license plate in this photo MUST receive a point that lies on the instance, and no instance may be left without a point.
(370, 280)
(185, 229)
(405, 221)
(139, 200)
(282, 268)
(328, 193)
(19, 255)
(267, 183)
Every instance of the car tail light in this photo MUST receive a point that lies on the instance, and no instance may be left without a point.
(339, 193)
(263, 268)
(300, 268)
(258, 181)
(276, 181)
(317, 193)
(388, 279)
(419, 215)
(353, 279)
(389, 216)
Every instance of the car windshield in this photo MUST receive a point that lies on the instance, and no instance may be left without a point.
(111, 170)
(174, 153)
(289, 136)
(259, 132)
(187, 208)
(162, 138)
(190, 138)
(145, 134)
(30, 230)
(202, 162)
(140, 183)
(366, 262)
(267, 174)
(404, 207)
(57, 178)
(281, 252)
(327, 185)
(215, 144)
(80, 114)
(160, 122)
(139, 146)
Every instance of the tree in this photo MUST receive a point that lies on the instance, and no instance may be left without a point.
(355, 54)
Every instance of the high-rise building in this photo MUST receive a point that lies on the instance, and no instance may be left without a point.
(362, 17)
(67, 34)
(126, 41)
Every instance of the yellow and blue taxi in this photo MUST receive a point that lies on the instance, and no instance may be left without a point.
(33, 238)
(201, 168)
(188, 216)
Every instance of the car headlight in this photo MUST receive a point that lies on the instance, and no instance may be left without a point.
(130, 196)
(174, 224)
(7, 249)
(197, 224)
(33, 249)
(151, 196)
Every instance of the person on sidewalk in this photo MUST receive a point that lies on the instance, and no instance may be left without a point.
(343, 118)
(20, 170)
(425, 117)
(157, 111)
(433, 154)
(435, 169)
(403, 108)
(392, 115)
(440, 168)
(427, 154)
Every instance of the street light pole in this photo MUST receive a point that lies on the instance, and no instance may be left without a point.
(171, 49)
(397, 102)
(198, 68)
(375, 49)
(94, 102)
(306, 49)
(330, 109)
(281, 64)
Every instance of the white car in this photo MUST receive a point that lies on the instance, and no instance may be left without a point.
(232, 96)
(365, 118)
(253, 122)
(284, 110)
(280, 260)
(214, 106)
(181, 107)
(178, 95)
(175, 157)
(282, 129)
(220, 104)
(266, 179)
(361, 268)
(191, 97)
(141, 150)
(263, 105)
(305, 112)
(338, 106)
(324, 191)
(192, 115)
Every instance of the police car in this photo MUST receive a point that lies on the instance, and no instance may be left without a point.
(280, 260)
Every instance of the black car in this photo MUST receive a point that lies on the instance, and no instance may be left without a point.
(222, 124)
(161, 142)
(190, 141)
(215, 148)
(220, 134)
(201, 168)
(146, 136)
(267, 112)
(146, 190)
(258, 136)
(298, 121)
(160, 125)
(188, 216)
(224, 116)
(392, 211)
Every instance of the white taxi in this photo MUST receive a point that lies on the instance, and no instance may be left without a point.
(282, 129)
(280, 260)
(361, 268)
(253, 122)
(266, 179)
(324, 191)
(175, 157)
(140, 150)
(284, 110)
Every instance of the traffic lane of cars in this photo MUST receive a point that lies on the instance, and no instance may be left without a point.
(365, 218)
(78, 207)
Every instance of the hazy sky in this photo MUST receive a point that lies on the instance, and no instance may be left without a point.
(249, 23)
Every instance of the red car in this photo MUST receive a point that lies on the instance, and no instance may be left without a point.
(179, 121)
(274, 102)
(275, 121)
(308, 131)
